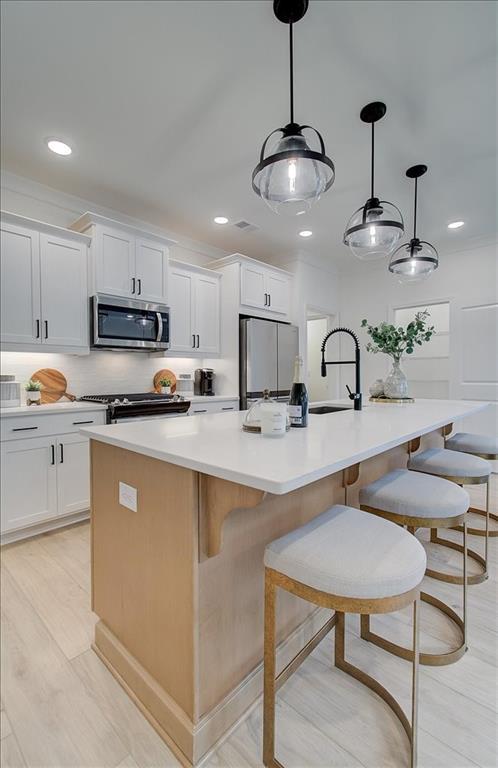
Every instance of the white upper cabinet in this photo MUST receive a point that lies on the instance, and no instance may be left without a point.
(20, 285)
(194, 309)
(182, 338)
(44, 287)
(64, 292)
(207, 313)
(151, 270)
(263, 288)
(114, 254)
(126, 261)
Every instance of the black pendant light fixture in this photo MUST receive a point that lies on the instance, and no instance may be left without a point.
(417, 259)
(374, 229)
(294, 176)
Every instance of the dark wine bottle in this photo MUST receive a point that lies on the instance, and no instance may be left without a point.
(298, 401)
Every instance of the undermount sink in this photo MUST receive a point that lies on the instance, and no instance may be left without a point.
(321, 409)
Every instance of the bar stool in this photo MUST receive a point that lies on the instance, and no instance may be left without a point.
(463, 469)
(485, 448)
(420, 501)
(347, 561)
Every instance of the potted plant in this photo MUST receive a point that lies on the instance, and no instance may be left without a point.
(395, 342)
(165, 385)
(33, 392)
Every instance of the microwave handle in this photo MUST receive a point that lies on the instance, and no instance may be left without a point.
(159, 326)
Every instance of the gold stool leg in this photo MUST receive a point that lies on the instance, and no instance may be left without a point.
(269, 675)
(415, 668)
(476, 578)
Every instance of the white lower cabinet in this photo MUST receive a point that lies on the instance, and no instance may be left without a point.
(29, 482)
(46, 478)
(219, 406)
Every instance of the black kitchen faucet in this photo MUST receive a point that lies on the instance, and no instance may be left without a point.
(354, 396)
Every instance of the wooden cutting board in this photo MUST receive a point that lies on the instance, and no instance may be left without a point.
(54, 385)
(164, 373)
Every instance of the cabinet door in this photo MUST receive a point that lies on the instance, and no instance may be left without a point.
(253, 286)
(29, 482)
(207, 314)
(181, 310)
(20, 291)
(151, 270)
(278, 288)
(73, 474)
(115, 262)
(64, 292)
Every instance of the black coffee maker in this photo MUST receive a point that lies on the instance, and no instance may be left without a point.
(204, 381)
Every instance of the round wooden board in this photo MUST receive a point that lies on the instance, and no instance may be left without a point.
(54, 385)
(164, 373)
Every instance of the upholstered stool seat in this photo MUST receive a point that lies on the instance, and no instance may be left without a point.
(464, 469)
(418, 500)
(451, 464)
(479, 445)
(405, 493)
(348, 561)
(348, 552)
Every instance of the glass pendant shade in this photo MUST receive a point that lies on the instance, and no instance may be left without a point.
(373, 230)
(414, 261)
(294, 176)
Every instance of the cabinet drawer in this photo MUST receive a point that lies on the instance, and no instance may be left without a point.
(40, 424)
(218, 407)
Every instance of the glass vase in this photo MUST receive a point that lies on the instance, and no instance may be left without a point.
(396, 383)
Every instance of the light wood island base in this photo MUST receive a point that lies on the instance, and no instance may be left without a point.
(179, 586)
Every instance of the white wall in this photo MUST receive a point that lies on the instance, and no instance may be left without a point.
(466, 278)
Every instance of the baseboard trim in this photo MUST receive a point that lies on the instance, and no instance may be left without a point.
(193, 742)
(9, 537)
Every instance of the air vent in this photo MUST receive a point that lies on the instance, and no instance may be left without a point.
(246, 226)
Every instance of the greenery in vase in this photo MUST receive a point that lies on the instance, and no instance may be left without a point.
(164, 382)
(33, 385)
(394, 341)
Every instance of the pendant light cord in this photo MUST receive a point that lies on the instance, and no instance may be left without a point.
(372, 163)
(415, 211)
(291, 69)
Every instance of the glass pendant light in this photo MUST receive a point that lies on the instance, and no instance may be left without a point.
(293, 176)
(374, 229)
(417, 259)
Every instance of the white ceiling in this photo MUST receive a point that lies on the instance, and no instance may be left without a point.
(167, 104)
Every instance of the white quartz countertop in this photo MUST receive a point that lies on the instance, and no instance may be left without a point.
(62, 407)
(216, 445)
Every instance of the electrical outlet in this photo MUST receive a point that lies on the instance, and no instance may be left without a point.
(128, 496)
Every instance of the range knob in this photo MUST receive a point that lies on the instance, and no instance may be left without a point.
(116, 401)
(125, 401)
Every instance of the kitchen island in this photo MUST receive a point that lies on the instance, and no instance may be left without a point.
(182, 510)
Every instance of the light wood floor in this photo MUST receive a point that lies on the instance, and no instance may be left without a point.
(62, 708)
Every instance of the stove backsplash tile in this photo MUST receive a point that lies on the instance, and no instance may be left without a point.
(100, 371)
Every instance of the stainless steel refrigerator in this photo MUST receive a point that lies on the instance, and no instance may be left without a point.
(266, 359)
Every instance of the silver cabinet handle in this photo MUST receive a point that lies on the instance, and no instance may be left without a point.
(133, 284)
(61, 446)
(139, 281)
(23, 429)
(52, 450)
(83, 422)
(46, 329)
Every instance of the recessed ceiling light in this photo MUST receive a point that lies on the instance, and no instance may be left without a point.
(220, 220)
(59, 147)
(455, 224)
(306, 233)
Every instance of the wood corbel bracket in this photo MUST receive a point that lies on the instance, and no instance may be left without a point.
(350, 476)
(217, 499)
(446, 430)
(414, 445)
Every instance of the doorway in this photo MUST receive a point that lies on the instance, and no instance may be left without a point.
(318, 324)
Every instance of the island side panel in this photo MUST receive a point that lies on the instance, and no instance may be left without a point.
(143, 564)
(231, 584)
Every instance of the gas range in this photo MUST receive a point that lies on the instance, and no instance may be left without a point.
(143, 405)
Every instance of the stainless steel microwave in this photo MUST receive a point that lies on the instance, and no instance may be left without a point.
(128, 324)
